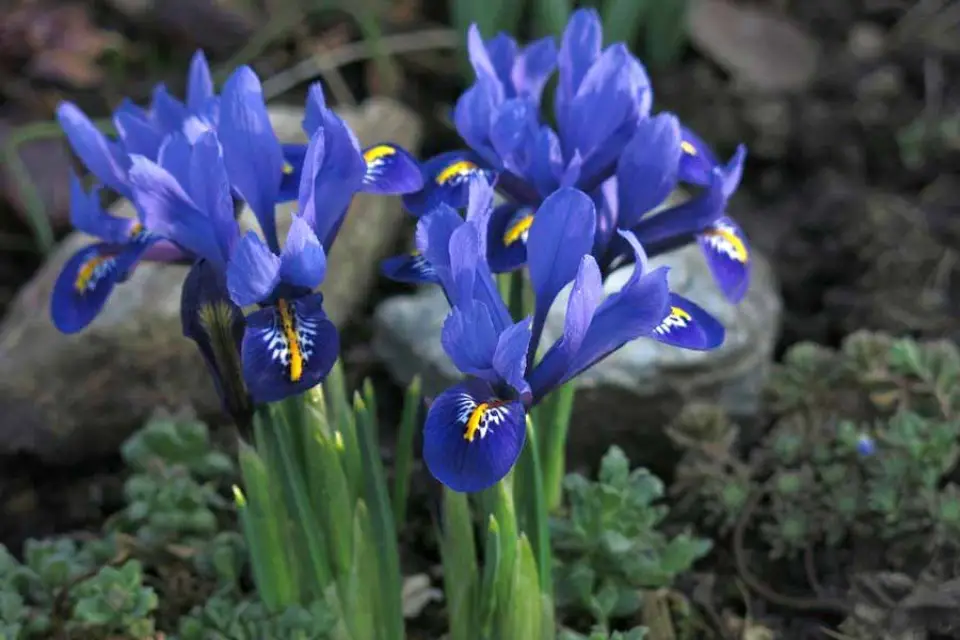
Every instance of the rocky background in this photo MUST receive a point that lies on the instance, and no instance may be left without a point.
(851, 196)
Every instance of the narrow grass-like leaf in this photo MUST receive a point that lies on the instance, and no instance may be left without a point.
(553, 425)
(622, 19)
(522, 614)
(458, 552)
(409, 421)
(529, 485)
(362, 595)
(306, 524)
(491, 571)
(263, 515)
(330, 496)
(344, 420)
(550, 16)
(368, 19)
(376, 495)
(504, 512)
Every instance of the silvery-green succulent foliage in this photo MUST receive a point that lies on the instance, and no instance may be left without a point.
(861, 445)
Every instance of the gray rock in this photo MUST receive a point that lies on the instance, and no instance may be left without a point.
(634, 393)
(65, 398)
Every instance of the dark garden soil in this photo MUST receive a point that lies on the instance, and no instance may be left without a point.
(852, 190)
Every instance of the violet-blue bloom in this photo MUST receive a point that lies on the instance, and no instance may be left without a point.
(288, 345)
(601, 95)
(90, 275)
(475, 430)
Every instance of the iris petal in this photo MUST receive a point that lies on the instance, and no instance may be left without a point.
(288, 348)
(688, 326)
(103, 157)
(411, 268)
(137, 134)
(647, 170)
(687, 219)
(199, 82)
(391, 170)
(533, 67)
(216, 325)
(293, 157)
(509, 229)
(447, 181)
(302, 262)
(471, 439)
(561, 234)
(82, 288)
(469, 338)
(728, 255)
(253, 272)
(88, 216)
(252, 152)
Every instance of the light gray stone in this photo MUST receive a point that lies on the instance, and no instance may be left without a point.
(66, 398)
(636, 391)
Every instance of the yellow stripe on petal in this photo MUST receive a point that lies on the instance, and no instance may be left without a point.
(378, 152)
(287, 168)
(459, 168)
(688, 148)
(517, 230)
(293, 342)
(89, 272)
(678, 319)
(473, 423)
(726, 240)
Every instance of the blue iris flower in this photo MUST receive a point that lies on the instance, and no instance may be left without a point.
(184, 195)
(606, 144)
(475, 430)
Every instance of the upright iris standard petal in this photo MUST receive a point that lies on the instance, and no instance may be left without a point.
(168, 111)
(473, 115)
(169, 212)
(647, 170)
(509, 230)
(585, 297)
(447, 181)
(216, 325)
(579, 49)
(137, 133)
(547, 166)
(514, 134)
(288, 348)
(83, 286)
(728, 255)
(252, 152)
(561, 234)
(411, 268)
(472, 438)
(532, 67)
(605, 109)
(88, 216)
(253, 272)
(210, 189)
(391, 170)
(333, 172)
(510, 357)
(199, 83)
(302, 262)
(103, 157)
(293, 158)
(688, 326)
(484, 66)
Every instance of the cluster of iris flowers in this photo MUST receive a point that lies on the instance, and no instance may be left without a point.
(249, 302)
(569, 203)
